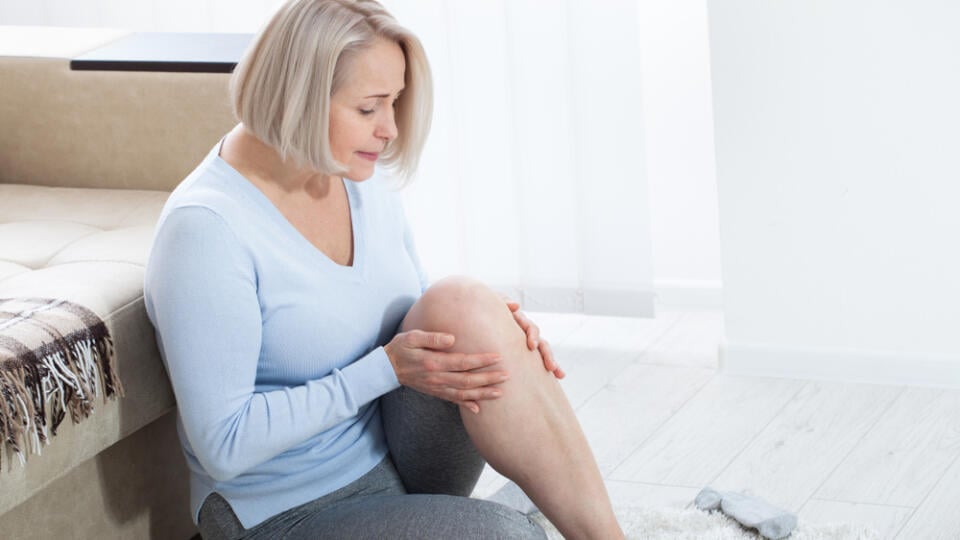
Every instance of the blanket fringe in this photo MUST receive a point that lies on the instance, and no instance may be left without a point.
(39, 387)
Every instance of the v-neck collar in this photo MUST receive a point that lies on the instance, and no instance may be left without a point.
(357, 221)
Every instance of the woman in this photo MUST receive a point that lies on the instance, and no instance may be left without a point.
(323, 389)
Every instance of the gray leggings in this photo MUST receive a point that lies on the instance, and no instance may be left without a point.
(419, 491)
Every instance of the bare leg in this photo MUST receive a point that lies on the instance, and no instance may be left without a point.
(530, 434)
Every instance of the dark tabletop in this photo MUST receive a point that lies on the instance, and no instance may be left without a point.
(162, 51)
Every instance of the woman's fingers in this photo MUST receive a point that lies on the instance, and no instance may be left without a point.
(535, 342)
(547, 354)
(422, 364)
(531, 330)
(419, 339)
(549, 361)
(462, 385)
(533, 336)
(472, 405)
(469, 380)
(447, 362)
(473, 394)
(429, 342)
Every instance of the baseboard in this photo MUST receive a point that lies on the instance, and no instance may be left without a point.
(688, 295)
(841, 365)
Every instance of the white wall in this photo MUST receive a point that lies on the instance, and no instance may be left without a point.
(676, 113)
(141, 15)
(837, 138)
(680, 162)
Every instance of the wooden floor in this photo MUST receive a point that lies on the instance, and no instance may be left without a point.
(663, 423)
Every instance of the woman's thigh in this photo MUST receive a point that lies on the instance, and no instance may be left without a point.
(429, 445)
(421, 517)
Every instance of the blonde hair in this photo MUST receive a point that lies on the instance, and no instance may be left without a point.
(281, 89)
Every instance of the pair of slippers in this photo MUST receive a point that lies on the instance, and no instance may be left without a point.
(752, 512)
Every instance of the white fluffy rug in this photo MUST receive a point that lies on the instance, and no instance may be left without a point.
(693, 524)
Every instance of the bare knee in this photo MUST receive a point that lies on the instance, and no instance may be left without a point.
(462, 293)
(453, 302)
(465, 307)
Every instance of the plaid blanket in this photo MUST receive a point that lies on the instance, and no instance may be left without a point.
(55, 356)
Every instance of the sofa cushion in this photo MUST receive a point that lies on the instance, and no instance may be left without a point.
(87, 246)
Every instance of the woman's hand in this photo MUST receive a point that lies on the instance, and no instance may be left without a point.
(534, 341)
(420, 363)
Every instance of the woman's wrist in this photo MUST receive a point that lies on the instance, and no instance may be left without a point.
(388, 350)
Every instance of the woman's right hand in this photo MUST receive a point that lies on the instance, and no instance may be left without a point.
(420, 362)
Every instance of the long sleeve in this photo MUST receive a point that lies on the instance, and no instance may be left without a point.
(202, 296)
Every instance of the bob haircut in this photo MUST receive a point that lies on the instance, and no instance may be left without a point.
(281, 88)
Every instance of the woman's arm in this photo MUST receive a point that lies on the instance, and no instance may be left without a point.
(201, 296)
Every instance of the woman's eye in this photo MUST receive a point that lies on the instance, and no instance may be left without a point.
(366, 111)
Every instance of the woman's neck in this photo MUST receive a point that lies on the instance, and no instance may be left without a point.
(262, 165)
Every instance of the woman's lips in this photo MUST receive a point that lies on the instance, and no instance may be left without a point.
(369, 156)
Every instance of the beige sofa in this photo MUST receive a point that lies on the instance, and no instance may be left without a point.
(87, 160)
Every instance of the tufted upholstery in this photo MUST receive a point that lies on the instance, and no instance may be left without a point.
(43, 228)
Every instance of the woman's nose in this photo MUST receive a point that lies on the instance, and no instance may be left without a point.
(387, 127)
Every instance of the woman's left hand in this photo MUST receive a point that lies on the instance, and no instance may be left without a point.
(534, 341)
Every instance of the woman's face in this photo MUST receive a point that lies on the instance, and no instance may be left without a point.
(362, 109)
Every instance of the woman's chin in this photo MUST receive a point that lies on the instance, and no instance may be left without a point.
(359, 174)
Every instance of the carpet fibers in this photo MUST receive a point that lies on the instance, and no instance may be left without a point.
(692, 524)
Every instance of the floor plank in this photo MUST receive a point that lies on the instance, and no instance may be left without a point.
(937, 517)
(886, 520)
(799, 449)
(557, 327)
(693, 341)
(713, 427)
(900, 460)
(627, 410)
(625, 334)
(589, 369)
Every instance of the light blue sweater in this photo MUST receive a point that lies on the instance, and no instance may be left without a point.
(274, 351)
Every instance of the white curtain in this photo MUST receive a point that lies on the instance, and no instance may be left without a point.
(534, 178)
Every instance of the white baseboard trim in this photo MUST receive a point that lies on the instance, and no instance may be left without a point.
(688, 295)
(841, 365)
